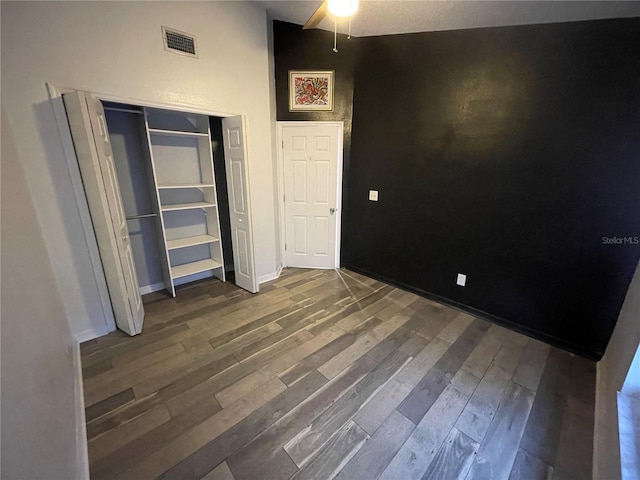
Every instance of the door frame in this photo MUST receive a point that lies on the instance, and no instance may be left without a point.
(55, 97)
(280, 176)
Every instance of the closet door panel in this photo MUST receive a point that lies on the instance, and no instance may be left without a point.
(93, 149)
(114, 199)
(235, 155)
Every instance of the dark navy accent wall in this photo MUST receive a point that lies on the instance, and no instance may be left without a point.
(297, 49)
(506, 154)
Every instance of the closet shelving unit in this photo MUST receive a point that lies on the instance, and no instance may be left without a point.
(182, 163)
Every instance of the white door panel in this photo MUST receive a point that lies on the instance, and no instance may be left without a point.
(310, 156)
(323, 180)
(93, 149)
(238, 187)
(243, 261)
(105, 153)
(323, 241)
(235, 154)
(299, 181)
(299, 235)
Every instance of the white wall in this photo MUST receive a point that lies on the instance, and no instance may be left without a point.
(632, 382)
(133, 167)
(613, 369)
(42, 422)
(115, 48)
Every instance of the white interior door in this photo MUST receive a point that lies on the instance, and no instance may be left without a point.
(235, 155)
(93, 149)
(310, 156)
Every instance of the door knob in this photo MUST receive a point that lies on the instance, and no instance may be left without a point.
(332, 211)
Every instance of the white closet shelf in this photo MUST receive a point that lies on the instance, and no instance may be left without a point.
(194, 267)
(190, 241)
(186, 185)
(186, 206)
(160, 131)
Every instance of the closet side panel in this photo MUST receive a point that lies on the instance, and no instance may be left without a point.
(223, 196)
(126, 131)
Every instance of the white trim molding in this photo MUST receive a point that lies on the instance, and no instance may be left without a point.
(270, 276)
(82, 448)
(156, 287)
(90, 334)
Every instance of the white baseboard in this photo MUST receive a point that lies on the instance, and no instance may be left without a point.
(82, 450)
(151, 288)
(90, 334)
(270, 276)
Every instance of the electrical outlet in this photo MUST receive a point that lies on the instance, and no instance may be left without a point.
(373, 195)
(462, 279)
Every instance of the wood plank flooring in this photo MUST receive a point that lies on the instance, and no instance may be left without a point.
(329, 374)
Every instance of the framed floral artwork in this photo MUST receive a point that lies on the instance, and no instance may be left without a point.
(310, 90)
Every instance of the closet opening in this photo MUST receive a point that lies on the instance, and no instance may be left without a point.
(168, 196)
(173, 157)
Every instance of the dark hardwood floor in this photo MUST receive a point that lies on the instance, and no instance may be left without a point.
(331, 374)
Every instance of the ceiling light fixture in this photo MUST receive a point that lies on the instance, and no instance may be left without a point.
(341, 9)
(337, 8)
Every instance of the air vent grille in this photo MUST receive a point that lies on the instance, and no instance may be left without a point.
(179, 42)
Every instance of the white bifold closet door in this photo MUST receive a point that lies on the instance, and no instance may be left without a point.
(235, 157)
(93, 149)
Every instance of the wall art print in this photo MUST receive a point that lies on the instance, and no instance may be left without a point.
(310, 90)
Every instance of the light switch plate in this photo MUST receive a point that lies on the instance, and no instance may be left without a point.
(462, 279)
(373, 195)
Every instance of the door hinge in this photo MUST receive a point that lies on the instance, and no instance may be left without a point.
(285, 247)
(283, 144)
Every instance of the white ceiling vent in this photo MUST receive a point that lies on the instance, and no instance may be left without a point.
(179, 42)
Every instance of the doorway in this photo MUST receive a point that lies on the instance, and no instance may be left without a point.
(310, 165)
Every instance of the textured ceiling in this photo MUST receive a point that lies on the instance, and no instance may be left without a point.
(385, 17)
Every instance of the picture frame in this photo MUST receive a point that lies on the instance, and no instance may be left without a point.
(310, 90)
